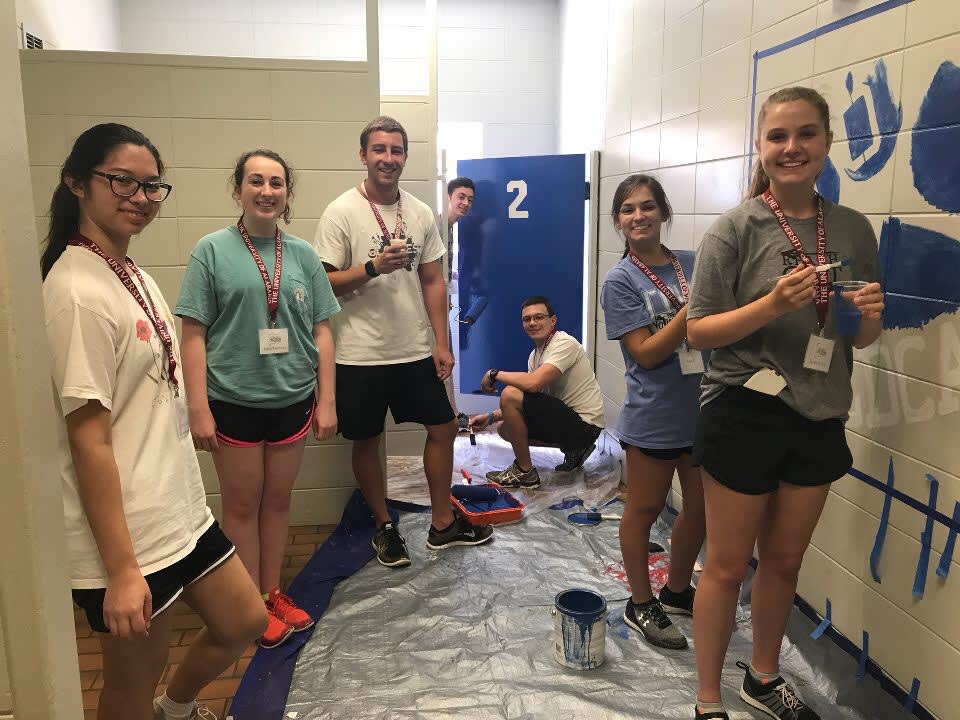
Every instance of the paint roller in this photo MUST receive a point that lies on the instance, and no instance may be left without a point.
(474, 312)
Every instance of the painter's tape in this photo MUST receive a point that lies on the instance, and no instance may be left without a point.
(943, 569)
(882, 527)
(926, 540)
(864, 656)
(912, 697)
(820, 629)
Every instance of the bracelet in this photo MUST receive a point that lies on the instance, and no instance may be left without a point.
(491, 418)
(370, 268)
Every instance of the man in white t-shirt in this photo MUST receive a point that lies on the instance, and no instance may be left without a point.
(556, 403)
(383, 253)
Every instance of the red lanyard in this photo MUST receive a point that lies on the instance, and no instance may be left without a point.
(151, 310)
(660, 284)
(272, 288)
(398, 226)
(821, 297)
(538, 357)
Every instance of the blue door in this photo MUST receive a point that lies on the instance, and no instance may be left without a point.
(525, 235)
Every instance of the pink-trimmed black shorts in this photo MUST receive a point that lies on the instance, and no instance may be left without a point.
(241, 426)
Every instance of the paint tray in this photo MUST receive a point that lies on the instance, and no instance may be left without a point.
(486, 504)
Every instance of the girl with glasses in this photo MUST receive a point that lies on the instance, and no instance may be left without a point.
(258, 359)
(139, 532)
(644, 300)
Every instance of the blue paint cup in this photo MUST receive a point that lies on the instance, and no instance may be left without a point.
(579, 629)
(845, 312)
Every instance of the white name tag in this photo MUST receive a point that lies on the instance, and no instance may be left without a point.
(766, 381)
(819, 354)
(274, 341)
(691, 361)
(183, 418)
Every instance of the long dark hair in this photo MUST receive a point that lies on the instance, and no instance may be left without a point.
(626, 188)
(236, 178)
(760, 182)
(89, 150)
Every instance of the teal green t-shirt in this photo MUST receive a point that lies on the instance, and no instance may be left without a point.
(223, 289)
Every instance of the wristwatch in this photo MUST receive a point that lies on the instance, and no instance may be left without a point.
(493, 375)
(370, 268)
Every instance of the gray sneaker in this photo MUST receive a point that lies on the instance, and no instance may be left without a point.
(652, 622)
(200, 712)
(514, 477)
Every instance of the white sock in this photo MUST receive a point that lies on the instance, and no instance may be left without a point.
(174, 710)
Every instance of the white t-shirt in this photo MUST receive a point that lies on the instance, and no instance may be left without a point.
(383, 322)
(577, 386)
(105, 348)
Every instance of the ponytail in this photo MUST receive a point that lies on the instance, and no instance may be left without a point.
(64, 224)
(759, 182)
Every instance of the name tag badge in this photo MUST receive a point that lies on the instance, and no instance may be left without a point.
(183, 418)
(819, 354)
(766, 381)
(274, 341)
(691, 361)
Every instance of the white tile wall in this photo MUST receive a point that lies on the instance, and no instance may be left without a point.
(725, 22)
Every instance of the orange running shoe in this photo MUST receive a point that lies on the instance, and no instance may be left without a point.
(277, 630)
(284, 608)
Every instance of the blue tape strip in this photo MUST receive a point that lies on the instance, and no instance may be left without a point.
(938, 516)
(912, 697)
(820, 629)
(882, 527)
(943, 569)
(864, 656)
(926, 540)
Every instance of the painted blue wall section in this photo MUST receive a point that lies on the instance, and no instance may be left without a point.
(919, 273)
(889, 119)
(828, 182)
(935, 159)
(503, 259)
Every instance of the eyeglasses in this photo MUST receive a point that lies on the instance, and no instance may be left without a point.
(125, 186)
(539, 317)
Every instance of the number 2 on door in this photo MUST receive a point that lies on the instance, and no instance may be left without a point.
(514, 211)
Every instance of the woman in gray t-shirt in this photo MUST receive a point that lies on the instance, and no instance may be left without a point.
(776, 392)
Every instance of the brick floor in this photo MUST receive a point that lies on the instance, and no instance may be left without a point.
(301, 544)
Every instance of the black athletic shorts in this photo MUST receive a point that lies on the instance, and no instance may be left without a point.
(751, 442)
(661, 453)
(241, 426)
(412, 391)
(552, 422)
(212, 550)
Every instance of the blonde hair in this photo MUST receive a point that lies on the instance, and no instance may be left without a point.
(760, 182)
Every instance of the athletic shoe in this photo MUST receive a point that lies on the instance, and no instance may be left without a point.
(277, 631)
(390, 546)
(514, 477)
(460, 532)
(574, 459)
(284, 608)
(776, 697)
(200, 712)
(652, 622)
(680, 603)
(709, 715)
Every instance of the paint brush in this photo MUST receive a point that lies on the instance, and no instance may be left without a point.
(831, 266)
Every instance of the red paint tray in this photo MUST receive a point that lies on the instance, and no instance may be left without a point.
(486, 504)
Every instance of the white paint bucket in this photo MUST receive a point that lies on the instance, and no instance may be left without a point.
(579, 629)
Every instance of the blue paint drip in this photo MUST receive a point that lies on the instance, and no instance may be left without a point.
(579, 610)
(882, 527)
(864, 656)
(828, 182)
(926, 540)
(918, 271)
(889, 120)
(820, 629)
(943, 569)
(935, 158)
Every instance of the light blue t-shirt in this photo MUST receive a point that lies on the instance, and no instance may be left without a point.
(223, 289)
(661, 405)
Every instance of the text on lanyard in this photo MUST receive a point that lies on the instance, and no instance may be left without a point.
(398, 226)
(272, 288)
(660, 284)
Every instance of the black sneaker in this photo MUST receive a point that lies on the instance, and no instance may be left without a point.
(709, 715)
(514, 477)
(652, 622)
(460, 532)
(680, 603)
(390, 546)
(776, 698)
(574, 459)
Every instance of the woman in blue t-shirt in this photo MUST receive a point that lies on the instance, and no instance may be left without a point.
(259, 365)
(644, 301)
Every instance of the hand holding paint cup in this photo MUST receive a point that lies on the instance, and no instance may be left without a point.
(846, 312)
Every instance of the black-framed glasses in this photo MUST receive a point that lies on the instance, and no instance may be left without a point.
(126, 186)
(539, 317)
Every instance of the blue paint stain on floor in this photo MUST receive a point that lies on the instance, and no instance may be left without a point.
(935, 159)
(919, 270)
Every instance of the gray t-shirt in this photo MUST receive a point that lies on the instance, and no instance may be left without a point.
(742, 255)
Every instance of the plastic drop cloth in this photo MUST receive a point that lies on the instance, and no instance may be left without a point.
(468, 632)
